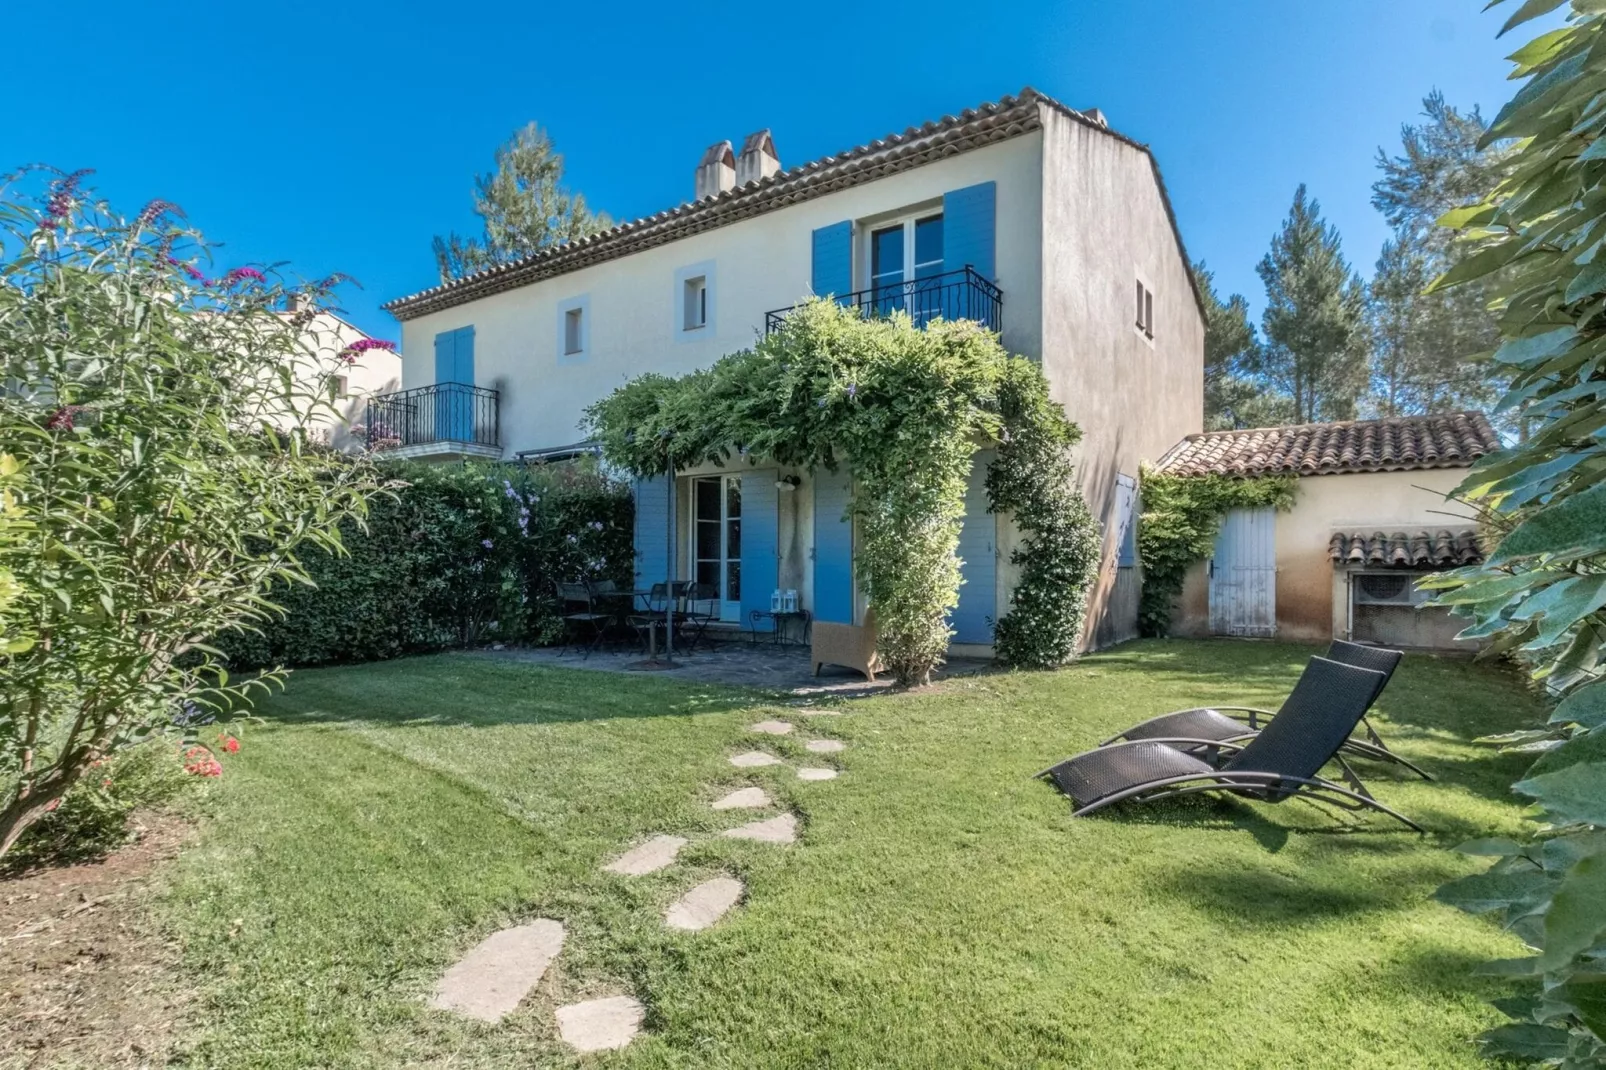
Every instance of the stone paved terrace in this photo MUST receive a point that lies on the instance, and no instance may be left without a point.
(738, 663)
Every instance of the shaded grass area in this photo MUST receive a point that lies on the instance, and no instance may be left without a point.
(941, 909)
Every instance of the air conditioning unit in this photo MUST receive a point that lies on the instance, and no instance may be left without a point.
(1387, 589)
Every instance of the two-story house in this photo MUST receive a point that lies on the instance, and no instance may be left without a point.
(1033, 218)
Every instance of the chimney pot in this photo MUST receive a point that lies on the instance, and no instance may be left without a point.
(717, 172)
(1097, 115)
(758, 159)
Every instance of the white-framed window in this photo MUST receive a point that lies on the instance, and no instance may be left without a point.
(717, 540)
(901, 258)
(342, 387)
(694, 304)
(1143, 321)
(574, 329)
(695, 300)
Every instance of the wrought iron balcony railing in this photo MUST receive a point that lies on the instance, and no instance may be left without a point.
(439, 414)
(952, 295)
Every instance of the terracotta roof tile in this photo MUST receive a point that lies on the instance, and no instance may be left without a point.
(1442, 548)
(972, 128)
(1397, 444)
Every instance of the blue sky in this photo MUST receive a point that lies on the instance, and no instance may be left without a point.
(342, 135)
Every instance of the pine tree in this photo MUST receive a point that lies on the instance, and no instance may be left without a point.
(524, 207)
(1315, 347)
(1233, 397)
(1424, 345)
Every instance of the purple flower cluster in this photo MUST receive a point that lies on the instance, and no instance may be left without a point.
(853, 389)
(189, 269)
(363, 345)
(488, 544)
(239, 274)
(154, 211)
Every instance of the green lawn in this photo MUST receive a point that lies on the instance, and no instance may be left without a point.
(940, 910)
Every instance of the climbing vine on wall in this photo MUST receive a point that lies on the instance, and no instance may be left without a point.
(908, 405)
(1181, 516)
(1059, 553)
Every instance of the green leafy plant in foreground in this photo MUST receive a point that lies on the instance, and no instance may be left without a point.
(155, 420)
(1540, 593)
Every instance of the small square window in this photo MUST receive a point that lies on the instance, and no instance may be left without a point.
(694, 303)
(573, 331)
(342, 387)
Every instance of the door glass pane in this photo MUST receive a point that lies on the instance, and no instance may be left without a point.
(708, 540)
(733, 540)
(733, 581)
(708, 499)
(708, 572)
(733, 497)
(886, 255)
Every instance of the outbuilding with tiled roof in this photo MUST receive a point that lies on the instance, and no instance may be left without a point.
(1374, 511)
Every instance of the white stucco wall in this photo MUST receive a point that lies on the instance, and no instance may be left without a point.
(759, 264)
(1105, 226)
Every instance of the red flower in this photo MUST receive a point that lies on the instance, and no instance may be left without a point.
(231, 745)
(61, 419)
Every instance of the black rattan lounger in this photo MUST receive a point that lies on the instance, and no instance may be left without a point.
(1279, 762)
(1240, 723)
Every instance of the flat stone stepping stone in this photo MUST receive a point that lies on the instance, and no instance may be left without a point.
(600, 1024)
(771, 728)
(814, 773)
(825, 746)
(782, 829)
(753, 759)
(744, 799)
(820, 713)
(489, 981)
(649, 857)
(704, 904)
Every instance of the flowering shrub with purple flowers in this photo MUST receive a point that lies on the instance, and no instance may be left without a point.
(165, 471)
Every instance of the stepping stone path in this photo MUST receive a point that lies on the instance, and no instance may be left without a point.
(820, 713)
(825, 746)
(745, 799)
(489, 981)
(771, 728)
(655, 854)
(600, 1024)
(753, 759)
(704, 904)
(782, 829)
(814, 773)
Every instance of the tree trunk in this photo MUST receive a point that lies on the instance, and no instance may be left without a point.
(23, 812)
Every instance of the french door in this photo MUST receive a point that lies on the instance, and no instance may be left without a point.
(717, 539)
(901, 255)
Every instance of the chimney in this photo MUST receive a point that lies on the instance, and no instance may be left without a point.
(717, 172)
(1097, 115)
(758, 159)
(294, 302)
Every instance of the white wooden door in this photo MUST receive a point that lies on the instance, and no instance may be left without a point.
(1243, 575)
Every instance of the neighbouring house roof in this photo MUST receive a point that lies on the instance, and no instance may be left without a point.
(1397, 444)
(1443, 548)
(971, 129)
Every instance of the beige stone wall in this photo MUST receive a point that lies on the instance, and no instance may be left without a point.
(1104, 227)
(1312, 595)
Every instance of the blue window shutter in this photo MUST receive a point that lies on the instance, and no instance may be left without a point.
(464, 364)
(833, 260)
(1126, 499)
(445, 356)
(833, 547)
(652, 531)
(978, 534)
(968, 224)
(761, 560)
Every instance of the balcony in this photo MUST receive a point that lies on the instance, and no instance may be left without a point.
(952, 295)
(442, 421)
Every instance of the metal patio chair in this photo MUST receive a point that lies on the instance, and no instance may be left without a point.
(1279, 762)
(1240, 723)
(580, 616)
